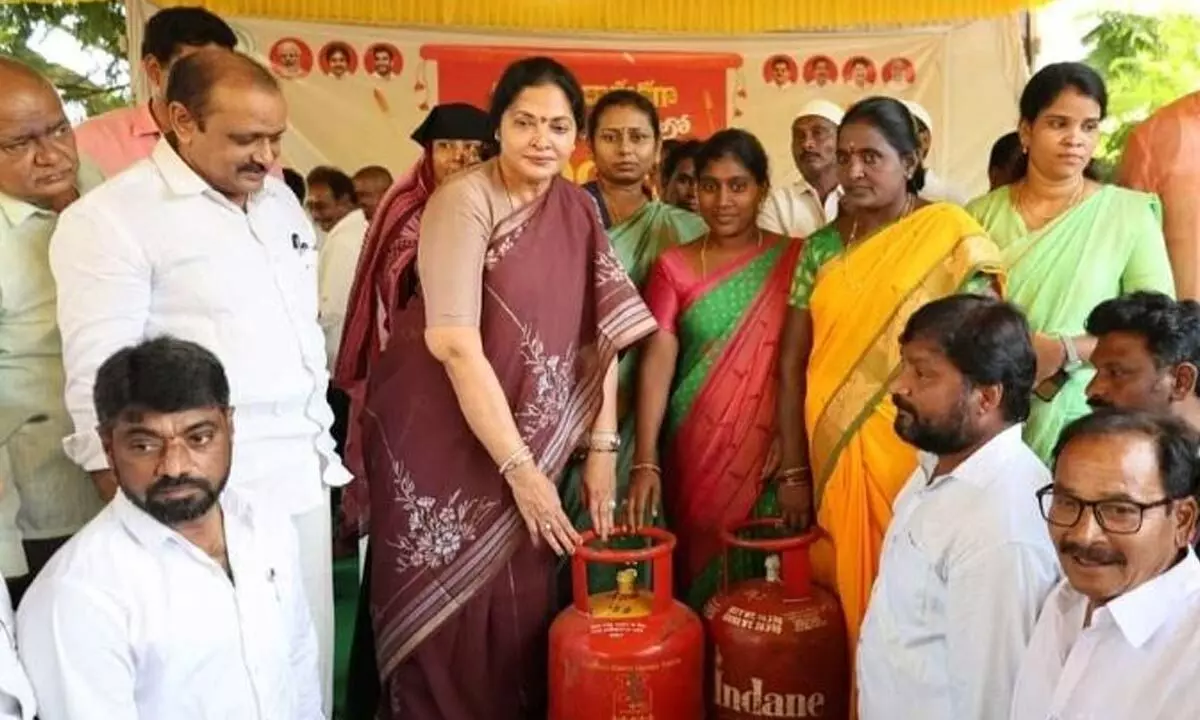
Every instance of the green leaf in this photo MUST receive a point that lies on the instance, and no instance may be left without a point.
(1147, 62)
(98, 26)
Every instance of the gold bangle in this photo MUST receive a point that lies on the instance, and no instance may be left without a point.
(792, 472)
(647, 466)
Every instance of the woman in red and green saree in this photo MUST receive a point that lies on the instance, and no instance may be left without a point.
(625, 138)
(706, 385)
(499, 367)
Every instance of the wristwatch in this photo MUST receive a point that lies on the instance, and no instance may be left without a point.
(1071, 363)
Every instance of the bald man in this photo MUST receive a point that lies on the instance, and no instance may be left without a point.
(44, 497)
(201, 243)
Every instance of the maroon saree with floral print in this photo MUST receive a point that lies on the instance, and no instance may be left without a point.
(461, 600)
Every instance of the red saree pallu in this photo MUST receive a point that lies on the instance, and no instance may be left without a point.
(461, 600)
(388, 255)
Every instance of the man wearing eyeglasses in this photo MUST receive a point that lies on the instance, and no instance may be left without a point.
(1120, 637)
(966, 562)
(47, 497)
(1147, 355)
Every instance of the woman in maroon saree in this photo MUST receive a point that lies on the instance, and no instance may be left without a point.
(495, 372)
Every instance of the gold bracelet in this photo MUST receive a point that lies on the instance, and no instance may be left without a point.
(647, 466)
(794, 477)
(519, 457)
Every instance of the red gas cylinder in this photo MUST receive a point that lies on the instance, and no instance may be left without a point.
(779, 643)
(628, 654)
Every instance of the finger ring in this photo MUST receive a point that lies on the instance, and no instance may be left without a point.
(547, 527)
(612, 504)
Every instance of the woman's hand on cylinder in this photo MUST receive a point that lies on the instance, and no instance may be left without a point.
(645, 495)
(600, 485)
(538, 502)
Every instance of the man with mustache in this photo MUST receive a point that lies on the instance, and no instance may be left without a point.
(799, 209)
(1147, 355)
(966, 562)
(180, 599)
(1120, 636)
(333, 206)
(45, 497)
(201, 243)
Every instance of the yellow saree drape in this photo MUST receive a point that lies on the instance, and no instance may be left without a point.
(860, 305)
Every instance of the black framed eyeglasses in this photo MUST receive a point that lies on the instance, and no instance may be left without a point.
(1119, 517)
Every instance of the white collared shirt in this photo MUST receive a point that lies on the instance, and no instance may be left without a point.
(1137, 661)
(16, 694)
(338, 261)
(796, 210)
(965, 566)
(157, 251)
(131, 621)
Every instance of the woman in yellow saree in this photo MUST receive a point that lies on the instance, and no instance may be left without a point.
(860, 278)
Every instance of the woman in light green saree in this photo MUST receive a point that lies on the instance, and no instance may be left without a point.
(625, 138)
(1069, 242)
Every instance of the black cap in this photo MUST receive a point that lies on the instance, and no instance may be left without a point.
(453, 121)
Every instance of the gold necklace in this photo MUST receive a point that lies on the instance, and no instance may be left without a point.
(704, 252)
(909, 202)
(1019, 199)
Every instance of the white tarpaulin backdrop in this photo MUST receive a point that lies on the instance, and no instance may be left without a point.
(356, 92)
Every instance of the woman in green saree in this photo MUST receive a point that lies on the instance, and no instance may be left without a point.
(1068, 241)
(706, 385)
(625, 139)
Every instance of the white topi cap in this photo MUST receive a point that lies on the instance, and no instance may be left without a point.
(919, 112)
(822, 109)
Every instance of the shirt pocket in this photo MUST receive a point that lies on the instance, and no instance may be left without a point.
(913, 586)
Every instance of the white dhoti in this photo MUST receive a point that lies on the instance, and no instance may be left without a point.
(314, 533)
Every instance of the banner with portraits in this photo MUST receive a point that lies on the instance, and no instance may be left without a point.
(355, 92)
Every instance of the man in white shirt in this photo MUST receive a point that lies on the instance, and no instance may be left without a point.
(1147, 355)
(936, 189)
(179, 600)
(799, 209)
(967, 561)
(48, 497)
(197, 241)
(333, 206)
(1119, 638)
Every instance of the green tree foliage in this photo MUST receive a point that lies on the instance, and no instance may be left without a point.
(99, 27)
(1147, 62)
